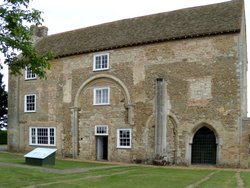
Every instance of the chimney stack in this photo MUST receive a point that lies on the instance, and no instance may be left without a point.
(39, 31)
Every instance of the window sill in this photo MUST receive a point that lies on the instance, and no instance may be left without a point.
(96, 70)
(121, 147)
(102, 104)
(44, 145)
(27, 79)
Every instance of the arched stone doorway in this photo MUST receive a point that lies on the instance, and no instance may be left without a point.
(204, 147)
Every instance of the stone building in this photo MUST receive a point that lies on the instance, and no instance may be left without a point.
(170, 85)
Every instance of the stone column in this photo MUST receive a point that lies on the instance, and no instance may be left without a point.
(13, 114)
(74, 131)
(161, 118)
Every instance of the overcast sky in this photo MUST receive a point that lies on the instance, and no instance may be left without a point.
(65, 15)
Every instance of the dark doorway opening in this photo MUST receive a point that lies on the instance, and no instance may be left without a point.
(102, 148)
(204, 147)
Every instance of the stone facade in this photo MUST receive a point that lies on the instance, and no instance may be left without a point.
(163, 92)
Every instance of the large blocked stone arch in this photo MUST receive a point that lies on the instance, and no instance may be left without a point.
(100, 76)
(75, 108)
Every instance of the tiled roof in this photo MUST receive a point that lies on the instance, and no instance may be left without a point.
(184, 23)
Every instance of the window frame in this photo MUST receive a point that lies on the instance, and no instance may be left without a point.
(28, 71)
(119, 139)
(25, 103)
(95, 96)
(36, 136)
(101, 134)
(94, 61)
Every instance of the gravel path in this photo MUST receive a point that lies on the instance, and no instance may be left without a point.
(240, 182)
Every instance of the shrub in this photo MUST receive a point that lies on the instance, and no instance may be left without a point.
(3, 137)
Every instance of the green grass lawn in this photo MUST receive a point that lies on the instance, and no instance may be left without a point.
(144, 177)
(119, 176)
(11, 157)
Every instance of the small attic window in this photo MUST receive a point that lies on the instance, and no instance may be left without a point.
(101, 62)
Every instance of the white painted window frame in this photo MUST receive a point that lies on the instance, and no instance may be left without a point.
(28, 72)
(25, 103)
(36, 136)
(101, 134)
(119, 139)
(100, 55)
(95, 97)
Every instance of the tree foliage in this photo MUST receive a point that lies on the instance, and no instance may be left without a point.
(16, 37)
(3, 103)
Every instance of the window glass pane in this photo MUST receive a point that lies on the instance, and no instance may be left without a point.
(30, 102)
(104, 61)
(98, 96)
(30, 74)
(124, 138)
(52, 134)
(42, 136)
(33, 136)
(98, 62)
(105, 96)
(101, 130)
(101, 96)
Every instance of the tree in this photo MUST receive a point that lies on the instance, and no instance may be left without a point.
(3, 103)
(16, 38)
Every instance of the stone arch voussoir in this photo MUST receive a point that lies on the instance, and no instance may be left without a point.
(100, 76)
